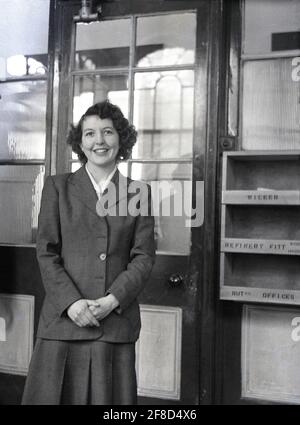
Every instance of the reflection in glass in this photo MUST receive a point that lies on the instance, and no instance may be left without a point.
(102, 44)
(19, 65)
(166, 40)
(20, 192)
(23, 120)
(163, 114)
(24, 47)
(171, 189)
(16, 65)
(271, 109)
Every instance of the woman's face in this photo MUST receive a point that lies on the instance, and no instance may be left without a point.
(100, 141)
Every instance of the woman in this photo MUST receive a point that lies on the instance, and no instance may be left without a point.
(93, 267)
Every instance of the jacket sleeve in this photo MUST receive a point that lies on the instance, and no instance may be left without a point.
(58, 285)
(131, 282)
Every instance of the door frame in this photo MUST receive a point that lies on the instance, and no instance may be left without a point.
(203, 262)
(229, 313)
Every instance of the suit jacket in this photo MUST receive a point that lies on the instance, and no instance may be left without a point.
(84, 255)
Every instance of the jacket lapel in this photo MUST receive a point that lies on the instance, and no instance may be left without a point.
(81, 187)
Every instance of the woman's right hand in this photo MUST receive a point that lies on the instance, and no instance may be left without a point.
(81, 315)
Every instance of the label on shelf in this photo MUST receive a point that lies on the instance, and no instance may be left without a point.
(261, 197)
(261, 246)
(239, 293)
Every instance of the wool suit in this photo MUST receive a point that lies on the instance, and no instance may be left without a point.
(84, 255)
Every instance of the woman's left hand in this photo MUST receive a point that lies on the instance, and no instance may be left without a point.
(103, 306)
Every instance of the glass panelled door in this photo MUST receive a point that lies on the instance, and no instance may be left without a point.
(152, 80)
(145, 63)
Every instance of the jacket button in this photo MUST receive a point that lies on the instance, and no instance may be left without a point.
(102, 256)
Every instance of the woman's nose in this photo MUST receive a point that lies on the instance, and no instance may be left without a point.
(99, 137)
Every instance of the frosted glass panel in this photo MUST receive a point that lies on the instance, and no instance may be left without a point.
(166, 40)
(102, 44)
(23, 50)
(23, 120)
(20, 194)
(163, 114)
(270, 354)
(160, 171)
(266, 17)
(172, 200)
(271, 109)
(96, 88)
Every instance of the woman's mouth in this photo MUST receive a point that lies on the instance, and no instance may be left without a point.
(100, 150)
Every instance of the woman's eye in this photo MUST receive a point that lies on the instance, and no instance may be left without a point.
(107, 132)
(89, 134)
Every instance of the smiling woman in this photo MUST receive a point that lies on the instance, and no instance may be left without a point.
(116, 123)
(100, 144)
(85, 352)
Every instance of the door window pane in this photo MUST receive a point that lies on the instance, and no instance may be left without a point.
(102, 44)
(23, 49)
(91, 89)
(171, 187)
(265, 23)
(166, 40)
(23, 120)
(20, 193)
(163, 114)
(271, 109)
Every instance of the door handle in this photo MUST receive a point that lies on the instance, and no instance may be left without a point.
(175, 280)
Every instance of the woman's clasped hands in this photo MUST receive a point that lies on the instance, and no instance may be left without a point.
(85, 312)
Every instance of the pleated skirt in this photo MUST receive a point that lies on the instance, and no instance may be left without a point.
(81, 373)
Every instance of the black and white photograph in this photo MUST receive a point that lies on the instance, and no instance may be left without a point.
(150, 206)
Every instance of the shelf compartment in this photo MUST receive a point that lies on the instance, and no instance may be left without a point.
(277, 170)
(261, 222)
(262, 271)
(263, 278)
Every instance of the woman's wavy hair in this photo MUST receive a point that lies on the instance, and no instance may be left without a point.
(105, 109)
